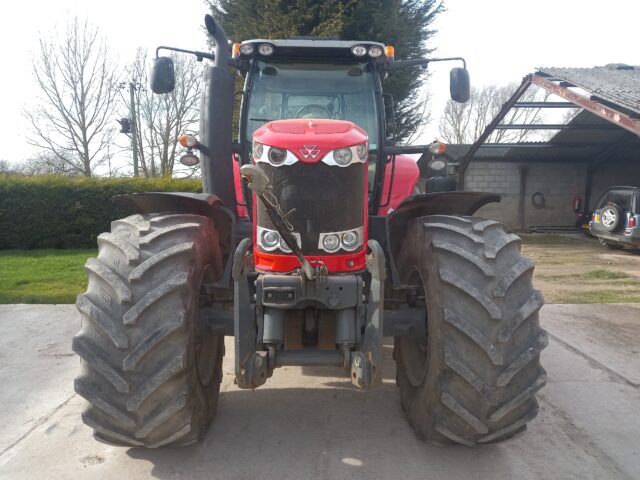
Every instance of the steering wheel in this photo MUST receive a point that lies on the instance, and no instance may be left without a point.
(308, 111)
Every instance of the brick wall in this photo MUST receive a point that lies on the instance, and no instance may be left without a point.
(558, 182)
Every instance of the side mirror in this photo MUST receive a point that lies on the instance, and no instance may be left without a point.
(163, 79)
(459, 84)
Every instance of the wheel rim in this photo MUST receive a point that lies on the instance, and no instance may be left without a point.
(415, 350)
(608, 217)
(206, 346)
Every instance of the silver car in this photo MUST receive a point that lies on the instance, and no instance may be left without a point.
(616, 217)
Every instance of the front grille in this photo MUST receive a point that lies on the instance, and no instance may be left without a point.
(325, 198)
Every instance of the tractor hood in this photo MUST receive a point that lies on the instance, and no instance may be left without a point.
(310, 140)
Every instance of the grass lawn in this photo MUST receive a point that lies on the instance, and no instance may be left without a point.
(42, 276)
(576, 269)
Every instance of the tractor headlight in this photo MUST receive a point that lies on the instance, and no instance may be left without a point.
(258, 150)
(437, 165)
(342, 156)
(283, 246)
(361, 150)
(350, 240)
(270, 238)
(277, 156)
(331, 242)
(375, 52)
(246, 49)
(359, 50)
(265, 49)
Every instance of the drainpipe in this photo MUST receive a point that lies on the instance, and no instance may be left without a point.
(523, 170)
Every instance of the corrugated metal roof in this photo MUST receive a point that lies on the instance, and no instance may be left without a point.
(616, 83)
(571, 145)
(589, 135)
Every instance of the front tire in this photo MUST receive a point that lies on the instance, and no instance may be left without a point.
(473, 379)
(148, 377)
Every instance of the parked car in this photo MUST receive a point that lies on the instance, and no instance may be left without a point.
(616, 217)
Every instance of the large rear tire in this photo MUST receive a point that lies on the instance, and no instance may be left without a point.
(473, 379)
(148, 377)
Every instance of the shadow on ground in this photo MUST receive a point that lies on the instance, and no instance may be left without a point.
(311, 433)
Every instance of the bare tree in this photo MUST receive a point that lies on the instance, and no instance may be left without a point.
(72, 120)
(46, 163)
(465, 122)
(161, 119)
(6, 168)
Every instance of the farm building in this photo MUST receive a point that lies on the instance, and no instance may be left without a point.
(546, 185)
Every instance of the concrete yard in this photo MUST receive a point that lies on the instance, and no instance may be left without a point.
(301, 426)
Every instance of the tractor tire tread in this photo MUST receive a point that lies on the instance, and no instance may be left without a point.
(484, 333)
(136, 343)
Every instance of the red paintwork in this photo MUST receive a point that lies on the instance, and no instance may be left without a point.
(237, 180)
(269, 262)
(326, 135)
(405, 177)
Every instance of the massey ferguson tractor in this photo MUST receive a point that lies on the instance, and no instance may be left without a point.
(314, 239)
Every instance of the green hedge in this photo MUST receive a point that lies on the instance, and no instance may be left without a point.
(61, 212)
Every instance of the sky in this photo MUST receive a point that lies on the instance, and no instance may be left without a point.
(502, 41)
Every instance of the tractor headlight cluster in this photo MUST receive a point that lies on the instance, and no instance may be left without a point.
(348, 240)
(270, 240)
(343, 157)
(373, 51)
(247, 49)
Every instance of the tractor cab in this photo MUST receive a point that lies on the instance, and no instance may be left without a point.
(313, 79)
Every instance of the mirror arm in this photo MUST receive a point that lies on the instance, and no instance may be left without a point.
(449, 59)
(399, 64)
(199, 55)
(405, 150)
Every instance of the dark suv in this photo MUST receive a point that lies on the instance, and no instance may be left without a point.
(616, 217)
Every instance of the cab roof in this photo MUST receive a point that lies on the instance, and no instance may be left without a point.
(314, 42)
(326, 48)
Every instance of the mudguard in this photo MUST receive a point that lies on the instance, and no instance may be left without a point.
(421, 205)
(205, 204)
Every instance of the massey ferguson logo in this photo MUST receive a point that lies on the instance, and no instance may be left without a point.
(310, 151)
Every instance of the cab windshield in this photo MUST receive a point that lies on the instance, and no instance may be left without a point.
(283, 90)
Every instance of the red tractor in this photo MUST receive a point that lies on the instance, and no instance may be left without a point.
(310, 243)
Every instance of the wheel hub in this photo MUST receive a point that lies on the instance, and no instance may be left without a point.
(608, 218)
(206, 346)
